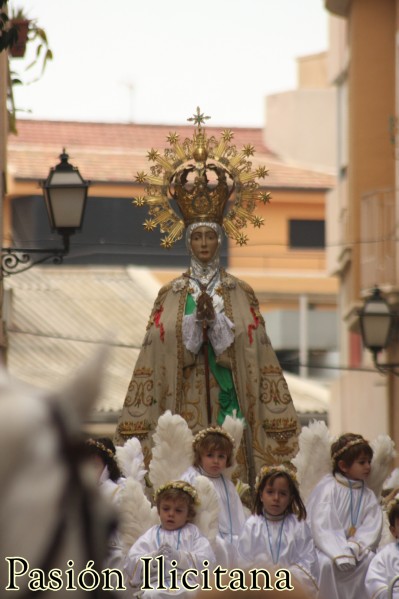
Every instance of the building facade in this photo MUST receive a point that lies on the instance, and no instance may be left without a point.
(362, 211)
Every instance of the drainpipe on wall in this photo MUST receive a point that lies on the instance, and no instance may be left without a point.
(3, 190)
(303, 335)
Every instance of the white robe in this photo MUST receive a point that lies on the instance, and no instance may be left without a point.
(193, 549)
(113, 492)
(294, 550)
(329, 517)
(382, 569)
(231, 516)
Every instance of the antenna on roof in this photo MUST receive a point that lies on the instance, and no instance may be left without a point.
(129, 85)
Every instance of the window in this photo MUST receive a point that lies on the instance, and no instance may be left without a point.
(306, 234)
(112, 233)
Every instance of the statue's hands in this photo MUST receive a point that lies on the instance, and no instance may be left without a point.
(205, 309)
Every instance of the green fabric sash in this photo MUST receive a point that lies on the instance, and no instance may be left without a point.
(228, 401)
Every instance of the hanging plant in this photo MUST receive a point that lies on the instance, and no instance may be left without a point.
(8, 31)
(17, 31)
(29, 32)
(19, 21)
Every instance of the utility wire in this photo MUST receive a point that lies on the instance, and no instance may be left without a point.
(107, 342)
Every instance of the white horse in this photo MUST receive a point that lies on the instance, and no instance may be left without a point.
(53, 524)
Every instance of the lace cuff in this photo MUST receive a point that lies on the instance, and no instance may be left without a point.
(192, 333)
(220, 333)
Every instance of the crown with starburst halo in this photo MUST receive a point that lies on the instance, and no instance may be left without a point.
(198, 176)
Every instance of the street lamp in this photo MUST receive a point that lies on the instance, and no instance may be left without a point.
(377, 322)
(65, 195)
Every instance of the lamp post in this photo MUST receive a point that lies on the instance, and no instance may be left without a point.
(377, 322)
(65, 195)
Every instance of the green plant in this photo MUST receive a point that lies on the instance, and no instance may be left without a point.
(8, 32)
(36, 40)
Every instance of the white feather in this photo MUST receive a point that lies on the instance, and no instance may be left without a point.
(313, 459)
(172, 452)
(392, 482)
(136, 514)
(207, 517)
(131, 460)
(381, 464)
(235, 427)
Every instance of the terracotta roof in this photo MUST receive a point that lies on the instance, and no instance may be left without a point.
(118, 135)
(114, 152)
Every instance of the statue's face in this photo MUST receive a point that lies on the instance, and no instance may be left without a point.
(204, 243)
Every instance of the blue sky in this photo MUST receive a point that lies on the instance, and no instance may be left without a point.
(154, 61)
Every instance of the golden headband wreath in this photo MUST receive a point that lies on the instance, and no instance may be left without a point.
(347, 446)
(391, 504)
(198, 176)
(269, 470)
(100, 446)
(181, 485)
(212, 430)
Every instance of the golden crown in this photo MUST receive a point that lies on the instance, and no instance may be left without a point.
(212, 430)
(268, 470)
(101, 447)
(181, 485)
(200, 174)
(358, 441)
(391, 504)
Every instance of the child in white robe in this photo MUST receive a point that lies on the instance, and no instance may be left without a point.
(175, 545)
(346, 520)
(276, 535)
(384, 566)
(213, 454)
(102, 455)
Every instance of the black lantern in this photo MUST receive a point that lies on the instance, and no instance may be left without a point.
(376, 327)
(65, 195)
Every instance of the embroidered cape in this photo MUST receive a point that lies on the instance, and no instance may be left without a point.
(168, 376)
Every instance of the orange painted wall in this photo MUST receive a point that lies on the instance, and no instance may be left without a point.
(371, 106)
(268, 246)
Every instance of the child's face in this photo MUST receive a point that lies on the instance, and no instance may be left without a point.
(395, 529)
(173, 513)
(359, 470)
(276, 496)
(213, 461)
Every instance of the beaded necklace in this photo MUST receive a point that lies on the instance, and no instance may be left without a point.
(159, 537)
(275, 557)
(227, 500)
(354, 514)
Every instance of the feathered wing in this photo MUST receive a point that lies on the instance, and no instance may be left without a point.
(136, 514)
(313, 459)
(381, 464)
(172, 452)
(135, 511)
(130, 460)
(207, 513)
(392, 482)
(235, 427)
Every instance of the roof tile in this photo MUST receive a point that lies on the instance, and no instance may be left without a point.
(114, 152)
